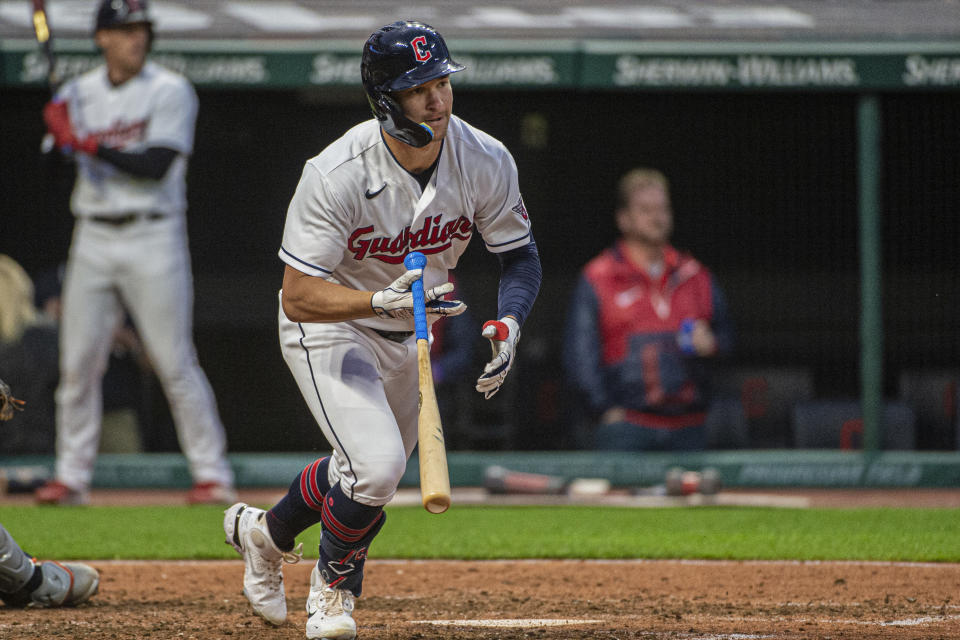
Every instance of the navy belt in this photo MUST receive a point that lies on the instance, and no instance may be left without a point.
(127, 218)
(394, 336)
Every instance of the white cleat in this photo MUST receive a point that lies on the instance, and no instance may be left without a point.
(246, 530)
(329, 611)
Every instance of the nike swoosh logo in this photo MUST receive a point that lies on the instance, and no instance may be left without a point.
(626, 298)
(373, 194)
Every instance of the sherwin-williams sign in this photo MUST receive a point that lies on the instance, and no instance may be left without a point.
(753, 71)
(588, 65)
(212, 65)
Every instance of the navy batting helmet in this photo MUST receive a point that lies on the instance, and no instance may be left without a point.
(399, 56)
(117, 13)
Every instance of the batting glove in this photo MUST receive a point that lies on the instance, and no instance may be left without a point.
(396, 301)
(503, 335)
(87, 145)
(56, 116)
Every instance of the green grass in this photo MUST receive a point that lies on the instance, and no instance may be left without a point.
(738, 533)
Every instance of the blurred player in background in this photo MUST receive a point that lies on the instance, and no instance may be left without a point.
(23, 580)
(643, 320)
(130, 125)
(415, 178)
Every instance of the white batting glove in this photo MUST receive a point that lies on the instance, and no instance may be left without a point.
(503, 335)
(396, 301)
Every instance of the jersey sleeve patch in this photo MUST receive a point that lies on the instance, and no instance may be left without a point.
(520, 209)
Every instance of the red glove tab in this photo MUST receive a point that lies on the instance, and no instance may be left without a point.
(502, 331)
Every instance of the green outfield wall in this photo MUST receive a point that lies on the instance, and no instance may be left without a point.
(797, 468)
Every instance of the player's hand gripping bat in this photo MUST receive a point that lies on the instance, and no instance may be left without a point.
(434, 477)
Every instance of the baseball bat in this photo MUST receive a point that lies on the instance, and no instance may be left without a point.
(41, 28)
(434, 477)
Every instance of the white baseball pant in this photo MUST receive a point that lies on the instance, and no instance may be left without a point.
(145, 267)
(363, 391)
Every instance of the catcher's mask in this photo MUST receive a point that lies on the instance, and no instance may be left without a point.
(399, 56)
(114, 14)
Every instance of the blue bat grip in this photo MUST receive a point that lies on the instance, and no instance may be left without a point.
(416, 260)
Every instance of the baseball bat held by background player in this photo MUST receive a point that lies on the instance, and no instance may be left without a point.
(41, 28)
(434, 477)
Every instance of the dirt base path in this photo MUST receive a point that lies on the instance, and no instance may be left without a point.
(541, 600)
(544, 600)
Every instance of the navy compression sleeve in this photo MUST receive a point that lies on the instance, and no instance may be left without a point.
(520, 277)
(152, 163)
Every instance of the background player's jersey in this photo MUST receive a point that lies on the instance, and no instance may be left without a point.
(621, 346)
(156, 108)
(356, 212)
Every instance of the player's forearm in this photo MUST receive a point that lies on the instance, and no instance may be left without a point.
(520, 277)
(312, 299)
(152, 163)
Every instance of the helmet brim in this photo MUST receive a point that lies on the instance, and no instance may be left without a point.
(420, 75)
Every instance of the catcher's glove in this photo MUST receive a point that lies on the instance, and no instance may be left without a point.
(7, 402)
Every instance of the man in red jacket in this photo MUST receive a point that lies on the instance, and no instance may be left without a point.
(644, 320)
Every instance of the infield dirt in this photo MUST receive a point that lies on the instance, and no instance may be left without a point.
(538, 599)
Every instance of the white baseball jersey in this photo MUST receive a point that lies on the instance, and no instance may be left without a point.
(157, 108)
(357, 213)
(140, 264)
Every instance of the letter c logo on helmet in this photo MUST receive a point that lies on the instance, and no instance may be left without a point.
(419, 51)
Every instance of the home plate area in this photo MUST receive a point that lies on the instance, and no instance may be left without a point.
(505, 623)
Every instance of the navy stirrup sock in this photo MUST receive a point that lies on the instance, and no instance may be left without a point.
(348, 520)
(302, 507)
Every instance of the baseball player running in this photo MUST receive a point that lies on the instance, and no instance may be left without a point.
(130, 124)
(415, 178)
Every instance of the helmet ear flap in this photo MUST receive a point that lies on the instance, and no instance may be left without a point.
(395, 123)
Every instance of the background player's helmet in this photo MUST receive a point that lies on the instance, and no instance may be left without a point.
(399, 56)
(117, 13)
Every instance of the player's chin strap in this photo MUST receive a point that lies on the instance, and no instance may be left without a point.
(399, 126)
